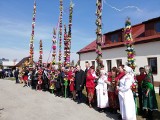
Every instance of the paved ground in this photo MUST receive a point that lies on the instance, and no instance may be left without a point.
(25, 104)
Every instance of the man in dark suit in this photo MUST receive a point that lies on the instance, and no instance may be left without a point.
(79, 82)
(16, 73)
(61, 77)
(45, 83)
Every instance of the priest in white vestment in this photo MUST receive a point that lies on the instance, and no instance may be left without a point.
(126, 100)
(102, 93)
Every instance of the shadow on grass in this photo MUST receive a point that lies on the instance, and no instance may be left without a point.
(10, 78)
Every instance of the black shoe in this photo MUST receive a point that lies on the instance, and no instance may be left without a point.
(114, 112)
(149, 115)
(144, 114)
(119, 117)
(100, 110)
(111, 110)
(78, 102)
(140, 113)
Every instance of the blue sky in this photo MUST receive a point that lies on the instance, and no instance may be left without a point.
(16, 19)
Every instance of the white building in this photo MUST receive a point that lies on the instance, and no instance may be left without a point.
(147, 46)
(8, 64)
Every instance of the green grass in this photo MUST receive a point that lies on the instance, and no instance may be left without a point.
(158, 100)
(10, 78)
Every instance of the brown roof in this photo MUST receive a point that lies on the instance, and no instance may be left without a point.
(22, 61)
(138, 31)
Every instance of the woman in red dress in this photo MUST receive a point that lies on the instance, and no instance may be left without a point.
(90, 85)
(25, 76)
(71, 75)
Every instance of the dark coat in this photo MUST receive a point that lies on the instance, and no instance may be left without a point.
(26, 72)
(16, 73)
(45, 80)
(79, 80)
(60, 80)
(61, 77)
(85, 76)
(45, 77)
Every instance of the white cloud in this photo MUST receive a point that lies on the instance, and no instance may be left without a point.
(126, 7)
(141, 16)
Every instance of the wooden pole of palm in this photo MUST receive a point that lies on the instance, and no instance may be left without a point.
(128, 40)
(40, 53)
(65, 45)
(54, 47)
(60, 32)
(69, 37)
(99, 36)
(32, 37)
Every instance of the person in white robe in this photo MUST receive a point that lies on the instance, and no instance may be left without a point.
(101, 91)
(126, 99)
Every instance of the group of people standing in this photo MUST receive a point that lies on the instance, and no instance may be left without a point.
(112, 91)
(6, 73)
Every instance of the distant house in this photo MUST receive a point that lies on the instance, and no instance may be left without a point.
(22, 63)
(146, 36)
(7, 64)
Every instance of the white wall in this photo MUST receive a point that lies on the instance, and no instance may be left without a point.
(8, 63)
(143, 51)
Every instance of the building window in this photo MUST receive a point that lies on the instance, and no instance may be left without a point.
(152, 62)
(157, 27)
(109, 65)
(114, 38)
(119, 62)
(93, 64)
